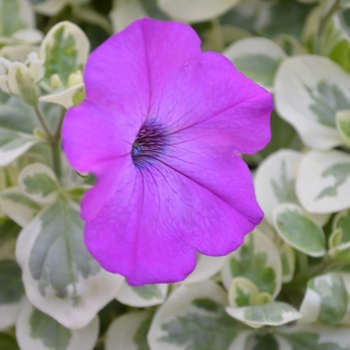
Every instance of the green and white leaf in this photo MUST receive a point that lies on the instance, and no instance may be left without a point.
(39, 183)
(15, 15)
(143, 296)
(53, 7)
(11, 293)
(21, 82)
(13, 144)
(194, 317)
(64, 50)
(129, 332)
(258, 260)
(258, 58)
(195, 10)
(299, 230)
(314, 337)
(124, 12)
(70, 97)
(38, 331)
(325, 301)
(343, 126)
(60, 276)
(8, 235)
(309, 91)
(271, 314)
(206, 267)
(275, 180)
(242, 292)
(323, 181)
(18, 206)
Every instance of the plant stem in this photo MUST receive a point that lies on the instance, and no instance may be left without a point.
(42, 123)
(327, 17)
(56, 158)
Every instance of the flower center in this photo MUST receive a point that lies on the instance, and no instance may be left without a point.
(149, 144)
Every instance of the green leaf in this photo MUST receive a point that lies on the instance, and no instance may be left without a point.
(273, 314)
(39, 183)
(259, 68)
(334, 299)
(11, 282)
(323, 181)
(251, 263)
(283, 136)
(327, 100)
(79, 96)
(298, 230)
(342, 221)
(13, 144)
(18, 206)
(60, 276)
(340, 172)
(285, 16)
(140, 337)
(53, 335)
(10, 18)
(148, 291)
(8, 230)
(61, 237)
(306, 341)
(64, 51)
(341, 54)
(7, 342)
(266, 342)
(325, 301)
(17, 116)
(215, 330)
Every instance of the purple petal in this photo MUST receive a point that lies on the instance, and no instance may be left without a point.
(152, 225)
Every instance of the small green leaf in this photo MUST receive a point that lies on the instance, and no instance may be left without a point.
(64, 51)
(334, 299)
(273, 314)
(342, 222)
(10, 18)
(39, 183)
(253, 266)
(11, 290)
(196, 331)
(53, 335)
(148, 291)
(306, 341)
(327, 100)
(266, 342)
(340, 172)
(59, 258)
(299, 230)
(259, 68)
(79, 96)
(140, 337)
(7, 342)
(13, 144)
(284, 190)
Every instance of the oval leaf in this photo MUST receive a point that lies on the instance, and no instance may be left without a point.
(272, 314)
(310, 90)
(257, 260)
(38, 331)
(299, 230)
(323, 181)
(60, 276)
(39, 183)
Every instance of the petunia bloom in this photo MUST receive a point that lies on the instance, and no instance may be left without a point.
(161, 128)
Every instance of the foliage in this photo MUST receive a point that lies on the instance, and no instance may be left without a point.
(54, 295)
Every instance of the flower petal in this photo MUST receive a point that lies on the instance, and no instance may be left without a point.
(149, 231)
(93, 135)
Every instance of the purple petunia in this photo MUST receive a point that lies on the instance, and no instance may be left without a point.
(161, 128)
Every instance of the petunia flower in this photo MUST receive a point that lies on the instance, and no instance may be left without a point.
(161, 129)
